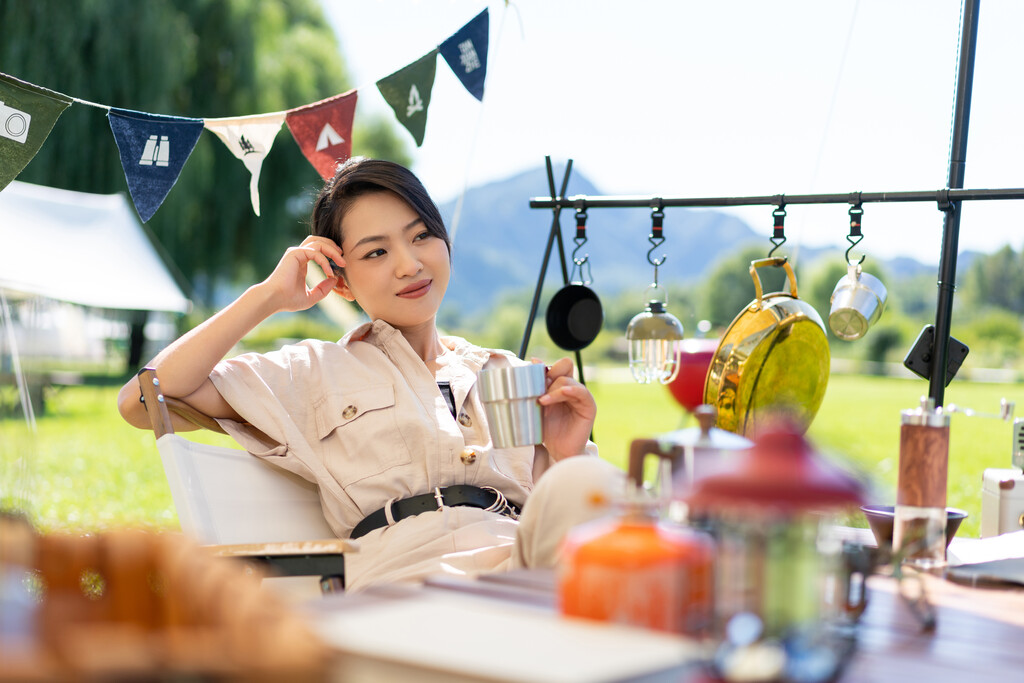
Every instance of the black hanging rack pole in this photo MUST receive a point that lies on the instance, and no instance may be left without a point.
(948, 200)
(941, 197)
(554, 236)
(951, 228)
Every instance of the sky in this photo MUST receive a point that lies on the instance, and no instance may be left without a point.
(728, 98)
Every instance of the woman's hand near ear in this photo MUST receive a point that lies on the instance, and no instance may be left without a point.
(287, 284)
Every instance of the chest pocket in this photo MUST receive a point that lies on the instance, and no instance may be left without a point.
(515, 463)
(359, 433)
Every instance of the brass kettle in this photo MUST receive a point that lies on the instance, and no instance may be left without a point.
(773, 358)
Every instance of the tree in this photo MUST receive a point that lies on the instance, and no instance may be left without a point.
(198, 58)
(997, 280)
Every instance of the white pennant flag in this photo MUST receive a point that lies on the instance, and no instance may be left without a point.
(249, 138)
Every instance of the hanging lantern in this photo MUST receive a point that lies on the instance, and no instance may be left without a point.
(654, 334)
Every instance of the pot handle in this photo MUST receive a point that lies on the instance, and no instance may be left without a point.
(639, 449)
(777, 261)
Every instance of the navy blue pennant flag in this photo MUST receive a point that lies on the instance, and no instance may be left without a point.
(466, 53)
(153, 151)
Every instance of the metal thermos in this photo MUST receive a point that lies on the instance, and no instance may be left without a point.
(514, 418)
(919, 532)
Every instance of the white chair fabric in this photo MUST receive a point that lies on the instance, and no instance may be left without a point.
(225, 496)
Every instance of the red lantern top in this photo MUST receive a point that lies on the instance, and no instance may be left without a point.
(781, 472)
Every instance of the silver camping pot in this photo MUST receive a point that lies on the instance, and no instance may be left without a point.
(857, 303)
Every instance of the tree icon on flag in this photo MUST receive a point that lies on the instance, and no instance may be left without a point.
(407, 91)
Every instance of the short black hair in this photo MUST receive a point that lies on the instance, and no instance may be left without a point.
(361, 176)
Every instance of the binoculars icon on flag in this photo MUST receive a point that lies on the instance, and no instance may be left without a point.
(156, 152)
(14, 123)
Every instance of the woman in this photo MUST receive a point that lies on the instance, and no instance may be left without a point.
(387, 421)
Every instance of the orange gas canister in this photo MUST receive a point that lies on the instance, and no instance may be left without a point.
(638, 571)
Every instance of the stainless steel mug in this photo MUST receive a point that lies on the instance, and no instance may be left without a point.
(510, 401)
(857, 303)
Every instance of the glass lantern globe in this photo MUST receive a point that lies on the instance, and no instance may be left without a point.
(654, 337)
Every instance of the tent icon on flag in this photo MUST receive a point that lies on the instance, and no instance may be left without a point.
(323, 131)
(328, 138)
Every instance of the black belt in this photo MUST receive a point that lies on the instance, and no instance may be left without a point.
(459, 494)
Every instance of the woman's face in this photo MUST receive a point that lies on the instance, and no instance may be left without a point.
(396, 270)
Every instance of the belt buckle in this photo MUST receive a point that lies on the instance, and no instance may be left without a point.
(501, 504)
(439, 497)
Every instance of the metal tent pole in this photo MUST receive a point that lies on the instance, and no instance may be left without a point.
(951, 229)
(554, 235)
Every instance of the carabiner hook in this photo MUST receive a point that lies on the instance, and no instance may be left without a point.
(657, 236)
(655, 243)
(854, 241)
(580, 239)
(580, 263)
(855, 236)
(581, 236)
(778, 237)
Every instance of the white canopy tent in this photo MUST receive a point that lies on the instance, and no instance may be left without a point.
(87, 249)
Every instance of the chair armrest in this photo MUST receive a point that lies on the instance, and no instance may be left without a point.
(159, 407)
(327, 546)
(293, 558)
(199, 419)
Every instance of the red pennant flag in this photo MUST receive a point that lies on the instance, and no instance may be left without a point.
(323, 131)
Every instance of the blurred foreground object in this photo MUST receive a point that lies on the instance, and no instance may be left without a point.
(133, 605)
(784, 595)
(919, 527)
(634, 570)
(694, 360)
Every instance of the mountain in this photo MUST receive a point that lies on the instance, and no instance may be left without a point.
(902, 267)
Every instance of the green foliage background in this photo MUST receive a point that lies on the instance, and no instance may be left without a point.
(212, 58)
(85, 469)
(196, 58)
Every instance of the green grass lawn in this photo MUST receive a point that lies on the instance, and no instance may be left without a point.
(86, 470)
(858, 425)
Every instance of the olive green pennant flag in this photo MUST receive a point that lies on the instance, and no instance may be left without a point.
(27, 114)
(408, 92)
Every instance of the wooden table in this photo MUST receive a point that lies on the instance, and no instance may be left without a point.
(462, 630)
(978, 637)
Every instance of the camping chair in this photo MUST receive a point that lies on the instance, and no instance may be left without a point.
(238, 504)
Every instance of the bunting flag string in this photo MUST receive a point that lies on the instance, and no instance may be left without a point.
(27, 115)
(249, 138)
(466, 53)
(153, 148)
(323, 131)
(408, 92)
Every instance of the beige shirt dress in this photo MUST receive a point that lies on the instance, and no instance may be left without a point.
(365, 420)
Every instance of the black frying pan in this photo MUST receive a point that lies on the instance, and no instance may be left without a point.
(574, 317)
